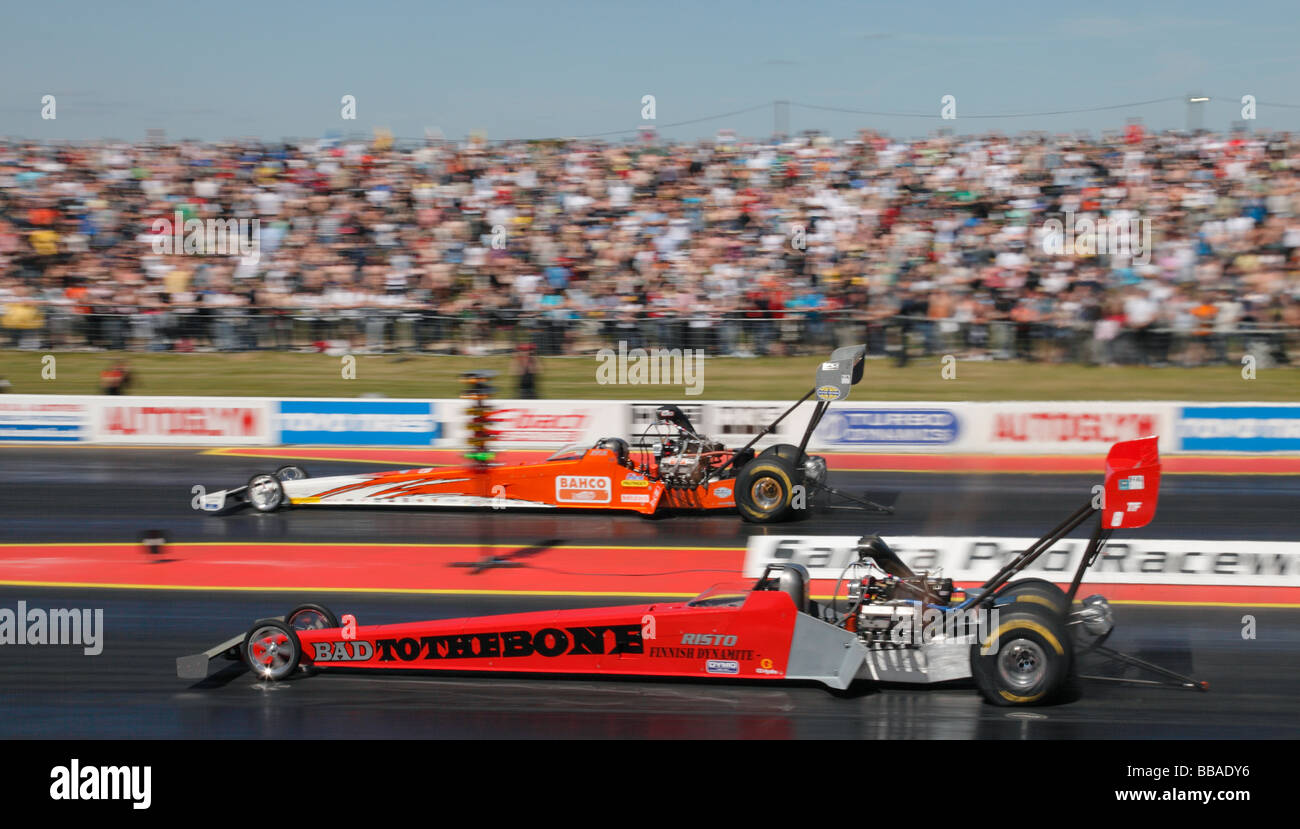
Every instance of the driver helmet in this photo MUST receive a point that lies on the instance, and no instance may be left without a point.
(619, 447)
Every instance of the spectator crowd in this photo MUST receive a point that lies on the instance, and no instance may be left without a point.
(932, 245)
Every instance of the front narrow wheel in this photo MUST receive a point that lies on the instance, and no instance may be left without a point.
(265, 493)
(271, 649)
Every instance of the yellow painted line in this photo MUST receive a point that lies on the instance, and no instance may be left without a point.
(1205, 604)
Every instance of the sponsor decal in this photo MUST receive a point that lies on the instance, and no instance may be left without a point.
(765, 667)
(722, 492)
(708, 639)
(634, 498)
(830, 366)
(582, 489)
(829, 393)
(722, 666)
(691, 652)
(1240, 428)
(635, 483)
(355, 651)
(359, 422)
(43, 422)
(889, 426)
(213, 502)
(574, 641)
(1132, 482)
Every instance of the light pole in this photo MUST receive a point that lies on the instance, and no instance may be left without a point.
(1195, 105)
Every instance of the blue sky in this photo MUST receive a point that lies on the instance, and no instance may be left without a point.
(530, 69)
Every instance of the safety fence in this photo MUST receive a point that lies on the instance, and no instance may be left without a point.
(563, 332)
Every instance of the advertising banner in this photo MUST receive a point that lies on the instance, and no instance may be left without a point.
(1245, 428)
(546, 423)
(202, 421)
(359, 422)
(975, 559)
(39, 418)
(857, 427)
(1064, 428)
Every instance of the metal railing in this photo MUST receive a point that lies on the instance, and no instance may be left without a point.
(738, 333)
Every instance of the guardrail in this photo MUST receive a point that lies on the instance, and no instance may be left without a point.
(1012, 428)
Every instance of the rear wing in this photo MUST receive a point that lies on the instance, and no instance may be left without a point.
(1127, 501)
(835, 378)
(1132, 484)
(838, 375)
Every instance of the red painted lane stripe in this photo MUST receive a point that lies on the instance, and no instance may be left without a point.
(376, 567)
(843, 461)
(388, 568)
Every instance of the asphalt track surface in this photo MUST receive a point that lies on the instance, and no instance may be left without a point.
(131, 690)
(96, 495)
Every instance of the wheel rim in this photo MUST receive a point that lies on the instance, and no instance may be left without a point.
(264, 493)
(1022, 663)
(766, 493)
(308, 619)
(270, 652)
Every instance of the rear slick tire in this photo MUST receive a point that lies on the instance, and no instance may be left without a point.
(765, 490)
(1030, 656)
(1038, 591)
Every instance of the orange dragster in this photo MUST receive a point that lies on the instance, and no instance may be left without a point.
(679, 469)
